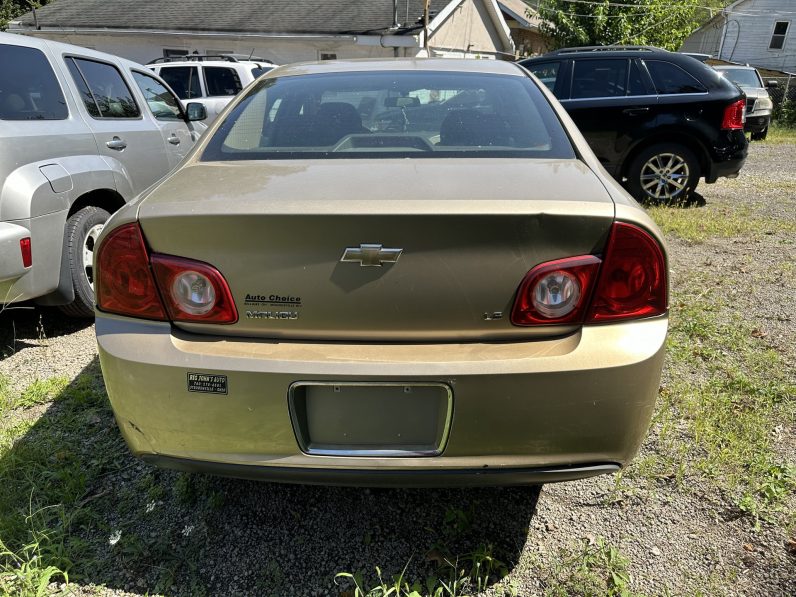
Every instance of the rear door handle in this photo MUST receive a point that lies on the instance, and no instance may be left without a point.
(117, 144)
(635, 111)
(174, 140)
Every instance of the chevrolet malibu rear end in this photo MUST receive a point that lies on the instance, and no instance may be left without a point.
(385, 272)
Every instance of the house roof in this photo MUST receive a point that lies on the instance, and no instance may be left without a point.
(518, 10)
(244, 16)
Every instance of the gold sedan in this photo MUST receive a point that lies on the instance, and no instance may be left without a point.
(403, 272)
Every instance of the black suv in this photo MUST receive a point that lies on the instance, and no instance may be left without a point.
(657, 120)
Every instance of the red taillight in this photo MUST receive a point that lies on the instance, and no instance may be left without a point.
(25, 249)
(193, 291)
(629, 283)
(632, 280)
(734, 115)
(555, 292)
(124, 283)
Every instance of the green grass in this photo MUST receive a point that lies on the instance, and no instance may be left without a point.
(37, 543)
(715, 221)
(64, 515)
(779, 135)
(593, 568)
(719, 414)
(447, 573)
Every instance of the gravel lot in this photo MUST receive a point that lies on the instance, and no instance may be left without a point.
(237, 537)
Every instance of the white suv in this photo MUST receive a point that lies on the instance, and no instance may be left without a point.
(212, 80)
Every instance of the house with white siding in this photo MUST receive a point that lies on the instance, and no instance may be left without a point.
(757, 32)
(282, 31)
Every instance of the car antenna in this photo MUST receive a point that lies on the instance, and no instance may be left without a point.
(251, 54)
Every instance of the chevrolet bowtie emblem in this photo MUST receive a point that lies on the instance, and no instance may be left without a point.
(370, 255)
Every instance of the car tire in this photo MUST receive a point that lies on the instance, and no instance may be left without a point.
(82, 230)
(759, 136)
(663, 173)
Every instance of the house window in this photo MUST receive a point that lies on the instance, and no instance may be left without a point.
(327, 56)
(778, 37)
(171, 53)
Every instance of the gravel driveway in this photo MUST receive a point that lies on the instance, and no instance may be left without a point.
(165, 532)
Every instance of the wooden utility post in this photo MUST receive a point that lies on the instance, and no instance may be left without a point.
(425, 25)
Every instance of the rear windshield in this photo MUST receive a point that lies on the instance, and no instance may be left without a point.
(391, 114)
(742, 77)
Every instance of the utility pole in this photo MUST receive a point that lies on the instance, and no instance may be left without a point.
(425, 25)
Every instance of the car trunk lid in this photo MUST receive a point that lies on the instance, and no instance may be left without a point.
(299, 242)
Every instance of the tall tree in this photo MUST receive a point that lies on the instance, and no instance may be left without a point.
(11, 9)
(662, 23)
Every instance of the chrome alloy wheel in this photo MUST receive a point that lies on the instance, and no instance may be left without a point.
(665, 176)
(88, 252)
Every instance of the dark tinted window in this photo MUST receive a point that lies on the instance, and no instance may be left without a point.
(670, 78)
(779, 35)
(184, 80)
(104, 91)
(161, 102)
(636, 83)
(385, 115)
(546, 72)
(599, 78)
(260, 70)
(220, 80)
(28, 87)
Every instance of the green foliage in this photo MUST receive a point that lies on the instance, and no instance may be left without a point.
(452, 575)
(592, 567)
(785, 114)
(659, 23)
(11, 9)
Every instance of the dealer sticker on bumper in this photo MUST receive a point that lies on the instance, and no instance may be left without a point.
(207, 383)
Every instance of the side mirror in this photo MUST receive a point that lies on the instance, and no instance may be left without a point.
(195, 111)
(772, 83)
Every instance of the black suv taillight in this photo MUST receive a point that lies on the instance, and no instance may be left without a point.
(734, 116)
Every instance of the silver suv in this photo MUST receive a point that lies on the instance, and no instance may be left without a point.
(758, 102)
(212, 80)
(81, 133)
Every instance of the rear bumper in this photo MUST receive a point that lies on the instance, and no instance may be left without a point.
(11, 266)
(476, 477)
(18, 283)
(523, 412)
(756, 123)
(728, 155)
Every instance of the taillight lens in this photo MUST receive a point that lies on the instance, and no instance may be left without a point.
(124, 284)
(25, 249)
(734, 115)
(628, 283)
(193, 291)
(632, 280)
(556, 291)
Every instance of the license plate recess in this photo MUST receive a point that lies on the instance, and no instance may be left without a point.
(371, 419)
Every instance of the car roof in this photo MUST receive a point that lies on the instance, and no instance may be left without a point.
(497, 67)
(733, 67)
(62, 48)
(613, 51)
(212, 59)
